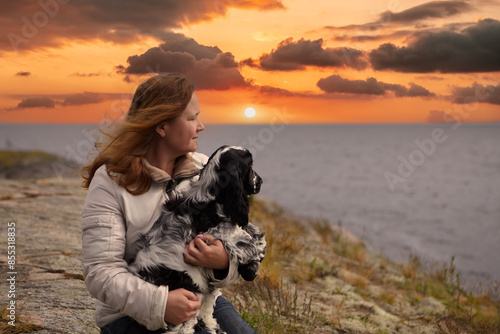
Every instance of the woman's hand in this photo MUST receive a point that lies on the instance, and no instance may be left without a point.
(205, 251)
(181, 306)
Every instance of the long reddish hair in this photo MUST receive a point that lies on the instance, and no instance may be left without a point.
(159, 99)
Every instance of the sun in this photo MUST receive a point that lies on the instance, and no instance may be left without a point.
(250, 112)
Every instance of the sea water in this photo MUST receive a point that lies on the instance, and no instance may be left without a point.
(427, 190)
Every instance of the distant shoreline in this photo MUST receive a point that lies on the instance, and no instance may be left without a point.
(19, 164)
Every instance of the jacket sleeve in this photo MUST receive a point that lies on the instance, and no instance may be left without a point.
(223, 278)
(105, 270)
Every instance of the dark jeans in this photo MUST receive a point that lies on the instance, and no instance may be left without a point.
(227, 317)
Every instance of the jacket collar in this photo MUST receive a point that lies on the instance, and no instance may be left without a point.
(184, 167)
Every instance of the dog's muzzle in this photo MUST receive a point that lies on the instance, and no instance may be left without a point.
(257, 183)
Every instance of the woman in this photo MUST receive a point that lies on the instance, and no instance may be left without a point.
(149, 157)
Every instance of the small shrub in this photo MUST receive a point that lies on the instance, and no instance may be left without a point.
(271, 308)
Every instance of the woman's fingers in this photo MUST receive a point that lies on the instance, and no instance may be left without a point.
(181, 306)
(212, 255)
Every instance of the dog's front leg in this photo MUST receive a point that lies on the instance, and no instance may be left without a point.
(207, 312)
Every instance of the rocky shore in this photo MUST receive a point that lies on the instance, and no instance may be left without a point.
(314, 280)
(49, 293)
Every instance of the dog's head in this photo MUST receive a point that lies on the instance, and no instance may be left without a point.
(230, 179)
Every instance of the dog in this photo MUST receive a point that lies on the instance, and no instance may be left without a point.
(217, 204)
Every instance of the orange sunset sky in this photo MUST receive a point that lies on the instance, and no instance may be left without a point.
(294, 61)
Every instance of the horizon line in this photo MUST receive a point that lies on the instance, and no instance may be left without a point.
(268, 123)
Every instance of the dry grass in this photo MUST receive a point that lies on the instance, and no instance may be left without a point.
(298, 259)
(271, 308)
(465, 312)
(411, 270)
(272, 303)
(387, 297)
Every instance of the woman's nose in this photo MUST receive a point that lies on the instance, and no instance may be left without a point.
(201, 127)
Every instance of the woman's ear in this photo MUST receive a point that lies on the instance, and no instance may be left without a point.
(162, 129)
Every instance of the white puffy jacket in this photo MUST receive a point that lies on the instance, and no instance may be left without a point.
(112, 219)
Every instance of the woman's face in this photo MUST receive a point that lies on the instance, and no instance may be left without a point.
(181, 134)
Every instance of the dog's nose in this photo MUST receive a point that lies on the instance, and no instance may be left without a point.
(257, 182)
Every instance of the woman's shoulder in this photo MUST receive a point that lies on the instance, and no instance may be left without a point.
(101, 172)
(101, 176)
(199, 159)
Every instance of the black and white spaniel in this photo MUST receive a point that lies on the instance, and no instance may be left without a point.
(216, 204)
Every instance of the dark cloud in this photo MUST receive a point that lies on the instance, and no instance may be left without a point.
(276, 91)
(296, 55)
(219, 74)
(30, 25)
(337, 84)
(86, 75)
(270, 90)
(477, 93)
(433, 9)
(266, 90)
(402, 35)
(373, 34)
(180, 43)
(52, 101)
(372, 38)
(207, 67)
(78, 99)
(438, 116)
(370, 86)
(249, 62)
(414, 90)
(36, 102)
(428, 10)
(430, 77)
(417, 90)
(83, 98)
(474, 49)
(23, 74)
(158, 60)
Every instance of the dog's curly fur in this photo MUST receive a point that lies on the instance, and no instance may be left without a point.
(216, 204)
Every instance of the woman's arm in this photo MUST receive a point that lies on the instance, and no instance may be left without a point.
(105, 270)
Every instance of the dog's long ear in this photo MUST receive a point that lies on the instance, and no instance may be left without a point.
(203, 190)
(231, 191)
